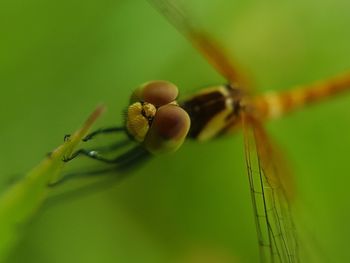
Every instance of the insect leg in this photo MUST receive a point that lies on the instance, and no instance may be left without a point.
(130, 159)
(104, 131)
(95, 153)
(113, 146)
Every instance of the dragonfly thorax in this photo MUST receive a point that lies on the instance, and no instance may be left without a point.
(213, 110)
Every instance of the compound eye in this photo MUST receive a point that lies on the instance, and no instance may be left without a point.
(168, 130)
(158, 93)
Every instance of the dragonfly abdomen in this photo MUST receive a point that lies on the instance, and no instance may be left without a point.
(276, 104)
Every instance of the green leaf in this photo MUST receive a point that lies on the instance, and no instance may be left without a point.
(21, 202)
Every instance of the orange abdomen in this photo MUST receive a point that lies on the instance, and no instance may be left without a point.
(276, 104)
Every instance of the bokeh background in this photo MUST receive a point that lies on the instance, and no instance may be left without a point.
(59, 59)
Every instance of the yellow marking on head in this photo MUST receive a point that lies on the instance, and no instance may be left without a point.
(149, 110)
(138, 119)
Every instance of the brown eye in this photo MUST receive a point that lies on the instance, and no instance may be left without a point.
(169, 129)
(171, 122)
(157, 92)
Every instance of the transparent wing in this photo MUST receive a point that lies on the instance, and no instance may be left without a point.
(209, 48)
(271, 191)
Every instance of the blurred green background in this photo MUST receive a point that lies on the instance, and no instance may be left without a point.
(59, 59)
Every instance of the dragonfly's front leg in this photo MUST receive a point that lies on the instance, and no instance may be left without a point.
(104, 131)
(129, 159)
(96, 153)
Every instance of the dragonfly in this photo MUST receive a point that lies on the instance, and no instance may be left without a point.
(158, 123)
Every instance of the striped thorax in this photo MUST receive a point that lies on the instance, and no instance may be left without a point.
(212, 110)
